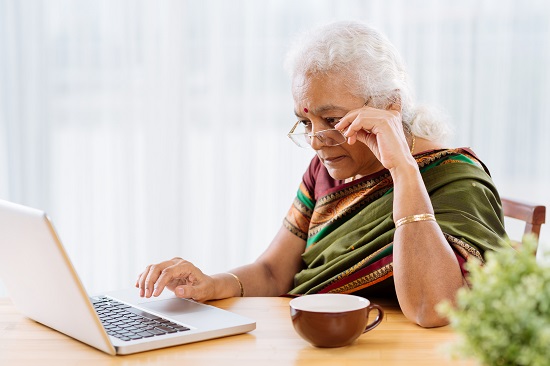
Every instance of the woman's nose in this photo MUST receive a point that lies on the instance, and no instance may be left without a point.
(315, 140)
(316, 143)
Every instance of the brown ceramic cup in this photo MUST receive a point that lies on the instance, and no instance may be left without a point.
(332, 320)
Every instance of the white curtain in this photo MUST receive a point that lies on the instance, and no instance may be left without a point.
(153, 129)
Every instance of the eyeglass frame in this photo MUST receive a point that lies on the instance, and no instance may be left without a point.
(314, 134)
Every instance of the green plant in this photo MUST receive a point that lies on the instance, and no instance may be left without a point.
(504, 318)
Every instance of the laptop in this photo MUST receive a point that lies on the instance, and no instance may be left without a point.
(44, 286)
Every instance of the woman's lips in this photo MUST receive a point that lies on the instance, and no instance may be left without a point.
(334, 160)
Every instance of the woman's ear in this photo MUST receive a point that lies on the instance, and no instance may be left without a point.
(395, 102)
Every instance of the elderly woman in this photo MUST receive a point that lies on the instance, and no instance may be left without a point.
(384, 208)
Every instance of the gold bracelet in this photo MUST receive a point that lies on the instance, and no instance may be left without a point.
(239, 281)
(414, 218)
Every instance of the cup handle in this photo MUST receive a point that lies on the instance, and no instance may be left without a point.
(376, 321)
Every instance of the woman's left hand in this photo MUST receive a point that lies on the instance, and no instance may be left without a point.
(381, 130)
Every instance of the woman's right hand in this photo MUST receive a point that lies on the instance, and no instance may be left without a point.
(179, 276)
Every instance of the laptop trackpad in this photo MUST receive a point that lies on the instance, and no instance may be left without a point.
(190, 314)
(174, 307)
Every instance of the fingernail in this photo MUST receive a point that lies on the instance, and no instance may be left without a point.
(179, 291)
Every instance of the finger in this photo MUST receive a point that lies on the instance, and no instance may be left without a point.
(195, 288)
(358, 125)
(160, 284)
(364, 137)
(191, 291)
(395, 104)
(154, 273)
(179, 271)
(141, 281)
(184, 291)
(351, 116)
(343, 123)
(138, 280)
(351, 139)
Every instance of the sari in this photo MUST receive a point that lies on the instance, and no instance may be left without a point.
(349, 228)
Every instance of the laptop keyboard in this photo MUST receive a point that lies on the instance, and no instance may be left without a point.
(128, 323)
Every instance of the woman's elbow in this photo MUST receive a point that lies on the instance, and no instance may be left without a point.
(430, 319)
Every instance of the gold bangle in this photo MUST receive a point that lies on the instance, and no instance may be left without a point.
(414, 218)
(239, 281)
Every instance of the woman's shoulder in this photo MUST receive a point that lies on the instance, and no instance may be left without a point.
(435, 157)
(427, 147)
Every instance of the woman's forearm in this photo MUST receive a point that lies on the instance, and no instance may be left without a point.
(272, 274)
(426, 270)
(255, 279)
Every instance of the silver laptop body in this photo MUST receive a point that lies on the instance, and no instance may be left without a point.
(44, 286)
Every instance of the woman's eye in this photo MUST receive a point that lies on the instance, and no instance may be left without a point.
(332, 120)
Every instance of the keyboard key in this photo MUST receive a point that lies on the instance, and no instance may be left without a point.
(145, 334)
(144, 314)
(181, 328)
(125, 333)
(156, 331)
(97, 299)
(166, 329)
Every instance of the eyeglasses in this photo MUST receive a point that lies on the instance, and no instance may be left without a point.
(329, 137)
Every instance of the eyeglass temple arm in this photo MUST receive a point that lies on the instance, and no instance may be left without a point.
(294, 127)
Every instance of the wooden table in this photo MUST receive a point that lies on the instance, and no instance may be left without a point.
(396, 341)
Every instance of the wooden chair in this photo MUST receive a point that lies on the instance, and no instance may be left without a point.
(532, 214)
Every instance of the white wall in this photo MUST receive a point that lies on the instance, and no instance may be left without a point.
(154, 129)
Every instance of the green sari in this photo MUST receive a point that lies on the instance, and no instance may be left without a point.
(349, 229)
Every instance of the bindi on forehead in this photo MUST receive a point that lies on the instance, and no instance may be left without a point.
(306, 110)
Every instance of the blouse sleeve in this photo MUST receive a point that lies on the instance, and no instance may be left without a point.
(298, 218)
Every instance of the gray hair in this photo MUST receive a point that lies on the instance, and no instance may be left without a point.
(370, 65)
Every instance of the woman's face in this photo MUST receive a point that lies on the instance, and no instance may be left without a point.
(319, 99)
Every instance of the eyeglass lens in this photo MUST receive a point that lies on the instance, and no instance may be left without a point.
(328, 138)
